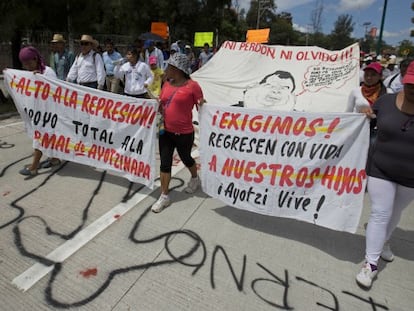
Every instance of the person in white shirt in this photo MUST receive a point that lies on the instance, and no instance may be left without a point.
(365, 95)
(369, 91)
(136, 75)
(110, 57)
(88, 68)
(391, 67)
(152, 50)
(393, 83)
(205, 55)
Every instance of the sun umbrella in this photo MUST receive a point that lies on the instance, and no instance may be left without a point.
(150, 36)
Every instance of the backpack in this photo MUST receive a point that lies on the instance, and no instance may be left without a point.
(392, 80)
(93, 56)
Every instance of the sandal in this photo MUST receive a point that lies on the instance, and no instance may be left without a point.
(26, 172)
(49, 163)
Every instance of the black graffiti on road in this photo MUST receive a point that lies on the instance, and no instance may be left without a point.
(5, 145)
(20, 211)
(195, 258)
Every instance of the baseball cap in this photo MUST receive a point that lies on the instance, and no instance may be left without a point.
(152, 60)
(409, 75)
(374, 66)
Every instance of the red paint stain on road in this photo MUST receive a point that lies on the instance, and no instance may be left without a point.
(89, 272)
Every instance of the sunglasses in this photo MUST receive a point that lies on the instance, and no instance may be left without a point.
(84, 43)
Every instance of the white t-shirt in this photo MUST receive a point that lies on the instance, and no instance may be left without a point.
(394, 83)
(356, 100)
(135, 77)
(49, 72)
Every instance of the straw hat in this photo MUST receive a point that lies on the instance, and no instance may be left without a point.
(57, 37)
(88, 38)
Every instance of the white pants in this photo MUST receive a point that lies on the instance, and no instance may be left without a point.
(388, 200)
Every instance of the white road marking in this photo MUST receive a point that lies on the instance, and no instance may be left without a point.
(36, 272)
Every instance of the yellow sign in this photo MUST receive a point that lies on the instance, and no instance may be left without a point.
(200, 38)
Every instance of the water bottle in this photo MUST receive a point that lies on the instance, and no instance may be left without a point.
(161, 129)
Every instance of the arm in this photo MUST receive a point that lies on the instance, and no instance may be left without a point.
(198, 95)
(160, 59)
(100, 71)
(73, 72)
(149, 75)
(351, 102)
(119, 72)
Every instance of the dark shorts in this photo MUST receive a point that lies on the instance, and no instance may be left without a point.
(168, 142)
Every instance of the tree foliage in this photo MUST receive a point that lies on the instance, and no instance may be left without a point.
(340, 36)
(24, 18)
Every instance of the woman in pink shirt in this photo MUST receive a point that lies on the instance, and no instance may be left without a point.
(178, 97)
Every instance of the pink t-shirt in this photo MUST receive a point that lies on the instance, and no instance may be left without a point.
(177, 104)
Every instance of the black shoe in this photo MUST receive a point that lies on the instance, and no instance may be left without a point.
(49, 163)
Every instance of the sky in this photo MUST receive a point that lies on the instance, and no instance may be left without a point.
(397, 22)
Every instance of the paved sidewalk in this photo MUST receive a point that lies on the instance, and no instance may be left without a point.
(198, 254)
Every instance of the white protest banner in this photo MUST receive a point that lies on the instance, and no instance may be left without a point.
(248, 73)
(300, 165)
(87, 126)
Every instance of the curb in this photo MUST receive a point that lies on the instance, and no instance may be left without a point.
(7, 115)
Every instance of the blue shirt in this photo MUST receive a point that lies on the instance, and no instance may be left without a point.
(108, 61)
(62, 63)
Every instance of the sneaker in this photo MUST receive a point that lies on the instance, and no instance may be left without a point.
(193, 185)
(27, 172)
(386, 253)
(162, 203)
(367, 275)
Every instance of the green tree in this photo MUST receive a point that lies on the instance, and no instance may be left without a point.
(340, 36)
(282, 30)
(406, 48)
(261, 14)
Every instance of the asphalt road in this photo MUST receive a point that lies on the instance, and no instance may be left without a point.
(78, 238)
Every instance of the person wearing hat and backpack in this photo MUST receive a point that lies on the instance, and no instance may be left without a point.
(394, 83)
(179, 95)
(88, 68)
(62, 58)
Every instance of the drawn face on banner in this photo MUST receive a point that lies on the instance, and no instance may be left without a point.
(275, 91)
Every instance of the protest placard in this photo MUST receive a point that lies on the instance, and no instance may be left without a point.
(87, 126)
(256, 75)
(306, 166)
